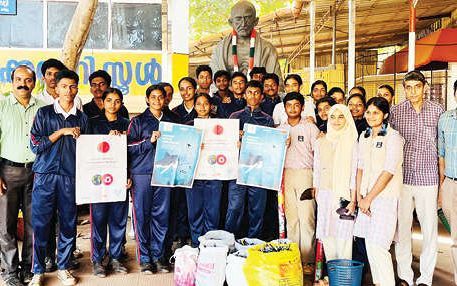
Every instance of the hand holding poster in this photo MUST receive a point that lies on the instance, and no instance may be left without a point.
(219, 156)
(101, 168)
(177, 154)
(261, 163)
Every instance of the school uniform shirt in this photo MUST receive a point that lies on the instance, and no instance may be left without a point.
(57, 158)
(375, 155)
(256, 117)
(91, 110)
(183, 113)
(268, 104)
(141, 150)
(280, 115)
(45, 97)
(300, 154)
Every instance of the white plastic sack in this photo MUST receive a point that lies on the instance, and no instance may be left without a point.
(185, 266)
(218, 238)
(211, 266)
(234, 274)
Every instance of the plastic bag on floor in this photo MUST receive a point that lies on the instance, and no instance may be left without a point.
(211, 265)
(218, 238)
(185, 266)
(234, 274)
(274, 264)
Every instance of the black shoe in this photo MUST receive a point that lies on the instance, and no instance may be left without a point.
(73, 264)
(163, 266)
(26, 276)
(118, 267)
(99, 270)
(154, 267)
(51, 265)
(13, 281)
(146, 268)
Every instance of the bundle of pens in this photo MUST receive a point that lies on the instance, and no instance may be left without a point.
(267, 248)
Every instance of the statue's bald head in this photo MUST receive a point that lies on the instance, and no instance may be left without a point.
(243, 18)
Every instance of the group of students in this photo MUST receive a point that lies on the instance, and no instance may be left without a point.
(350, 152)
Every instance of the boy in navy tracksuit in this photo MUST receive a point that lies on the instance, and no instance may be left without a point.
(113, 214)
(256, 197)
(151, 205)
(53, 139)
(204, 197)
(226, 102)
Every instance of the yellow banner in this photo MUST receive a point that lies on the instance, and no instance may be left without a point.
(131, 72)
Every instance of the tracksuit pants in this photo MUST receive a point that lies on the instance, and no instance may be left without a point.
(114, 216)
(256, 199)
(151, 209)
(51, 192)
(203, 201)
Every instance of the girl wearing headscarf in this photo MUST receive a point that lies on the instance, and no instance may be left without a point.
(334, 160)
(379, 180)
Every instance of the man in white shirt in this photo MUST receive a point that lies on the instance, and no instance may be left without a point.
(49, 69)
(293, 83)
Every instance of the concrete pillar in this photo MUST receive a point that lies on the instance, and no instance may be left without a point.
(351, 44)
(312, 41)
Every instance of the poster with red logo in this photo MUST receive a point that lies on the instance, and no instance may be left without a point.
(101, 168)
(219, 156)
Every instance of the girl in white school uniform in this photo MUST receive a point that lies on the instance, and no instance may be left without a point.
(334, 162)
(379, 181)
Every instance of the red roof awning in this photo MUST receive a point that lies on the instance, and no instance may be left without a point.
(438, 47)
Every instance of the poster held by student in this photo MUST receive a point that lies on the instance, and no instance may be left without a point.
(101, 168)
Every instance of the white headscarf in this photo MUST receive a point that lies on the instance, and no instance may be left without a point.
(343, 140)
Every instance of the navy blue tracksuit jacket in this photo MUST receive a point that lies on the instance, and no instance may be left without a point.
(54, 184)
(256, 197)
(151, 205)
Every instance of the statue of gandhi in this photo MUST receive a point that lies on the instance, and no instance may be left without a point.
(244, 49)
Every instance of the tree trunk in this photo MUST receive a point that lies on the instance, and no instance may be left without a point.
(78, 32)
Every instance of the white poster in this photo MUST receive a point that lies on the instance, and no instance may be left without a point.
(101, 168)
(219, 156)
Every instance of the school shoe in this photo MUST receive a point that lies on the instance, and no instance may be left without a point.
(26, 276)
(37, 280)
(146, 268)
(163, 266)
(118, 267)
(13, 281)
(99, 270)
(77, 253)
(50, 264)
(66, 277)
